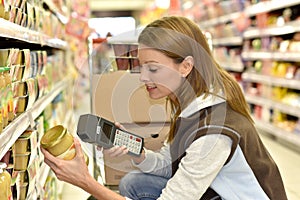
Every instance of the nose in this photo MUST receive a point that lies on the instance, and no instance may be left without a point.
(144, 76)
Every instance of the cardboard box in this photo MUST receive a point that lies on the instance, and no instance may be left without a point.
(115, 168)
(120, 96)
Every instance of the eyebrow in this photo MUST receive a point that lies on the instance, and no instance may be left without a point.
(150, 61)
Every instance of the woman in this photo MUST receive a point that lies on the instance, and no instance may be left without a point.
(213, 150)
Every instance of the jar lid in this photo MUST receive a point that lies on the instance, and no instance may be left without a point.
(53, 136)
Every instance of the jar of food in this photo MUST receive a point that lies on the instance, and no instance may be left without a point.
(59, 142)
(5, 182)
(2, 86)
(9, 95)
(4, 111)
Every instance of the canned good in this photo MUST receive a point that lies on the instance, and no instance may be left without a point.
(5, 182)
(19, 89)
(22, 177)
(4, 55)
(20, 104)
(2, 85)
(22, 191)
(9, 94)
(21, 145)
(3, 91)
(21, 161)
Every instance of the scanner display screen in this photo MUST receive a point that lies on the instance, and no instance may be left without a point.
(107, 130)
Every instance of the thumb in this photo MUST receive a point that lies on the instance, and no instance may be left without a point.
(117, 124)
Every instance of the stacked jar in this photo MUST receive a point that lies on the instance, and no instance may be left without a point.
(9, 94)
(5, 182)
(4, 111)
(2, 84)
(7, 114)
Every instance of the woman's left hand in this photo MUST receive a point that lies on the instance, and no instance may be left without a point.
(73, 171)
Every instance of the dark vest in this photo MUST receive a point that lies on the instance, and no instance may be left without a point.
(221, 119)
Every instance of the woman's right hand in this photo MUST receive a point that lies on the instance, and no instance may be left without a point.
(115, 151)
(118, 151)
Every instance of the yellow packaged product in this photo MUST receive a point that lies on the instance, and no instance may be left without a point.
(59, 142)
(3, 118)
(9, 94)
(5, 182)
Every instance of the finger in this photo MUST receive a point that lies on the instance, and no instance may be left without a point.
(117, 124)
(119, 151)
(52, 165)
(110, 150)
(124, 152)
(49, 159)
(78, 148)
(48, 155)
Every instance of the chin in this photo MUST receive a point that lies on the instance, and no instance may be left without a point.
(156, 97)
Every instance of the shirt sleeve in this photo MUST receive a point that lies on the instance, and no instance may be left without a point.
(204, 159)
(157, 163)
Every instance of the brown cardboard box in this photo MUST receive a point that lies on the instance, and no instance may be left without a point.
(120, 96)
(114, 169)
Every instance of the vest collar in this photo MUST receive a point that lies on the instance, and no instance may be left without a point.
(200, 103)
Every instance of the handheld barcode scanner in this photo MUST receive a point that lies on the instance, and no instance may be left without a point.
(99, 131)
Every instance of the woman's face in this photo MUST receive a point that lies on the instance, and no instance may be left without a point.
(159, 73)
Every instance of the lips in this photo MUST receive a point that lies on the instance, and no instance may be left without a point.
(150, 87)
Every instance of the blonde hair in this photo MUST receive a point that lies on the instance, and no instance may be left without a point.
(178, 37)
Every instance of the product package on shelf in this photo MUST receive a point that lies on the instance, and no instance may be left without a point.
(22, 162)
(125, 56)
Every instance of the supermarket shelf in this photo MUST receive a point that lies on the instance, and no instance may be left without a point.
(220, 20)
(228, 41)
(288, 28)
(285, 108)
(232, 66)
(269, 80)
(14, 31)
(11, 133)
(279, 133)
(264, 55)
(268, 6)
(250, 11)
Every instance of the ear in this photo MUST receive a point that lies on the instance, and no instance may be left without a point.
(186, 66)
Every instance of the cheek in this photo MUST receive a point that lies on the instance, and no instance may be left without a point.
(170, 81)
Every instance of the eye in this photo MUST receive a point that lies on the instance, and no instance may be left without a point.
(152, 68)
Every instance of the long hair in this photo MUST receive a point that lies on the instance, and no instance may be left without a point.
(178, 37)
